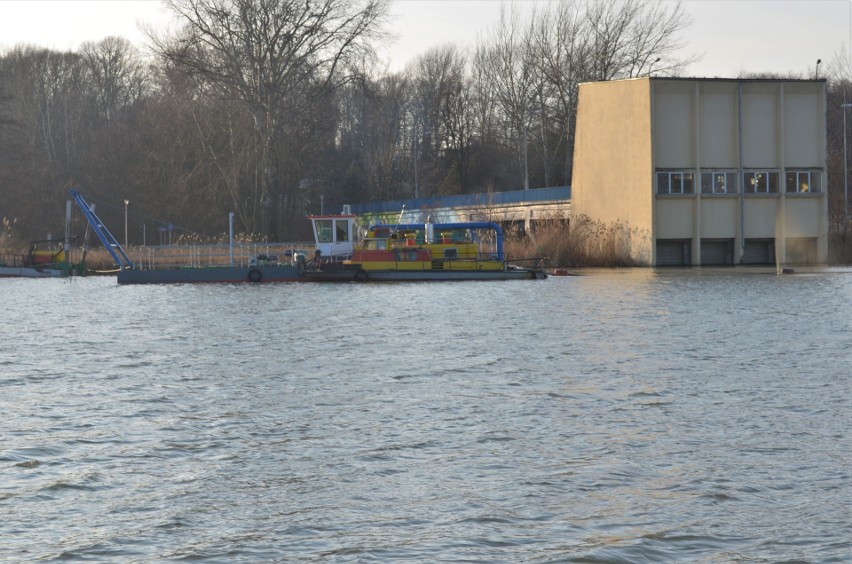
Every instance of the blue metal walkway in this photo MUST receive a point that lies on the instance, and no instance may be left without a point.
(464, 200)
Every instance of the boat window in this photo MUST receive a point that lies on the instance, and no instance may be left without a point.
(342, 227)
(375, 244)
(324, 233)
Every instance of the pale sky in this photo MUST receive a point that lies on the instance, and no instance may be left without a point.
(733, 36)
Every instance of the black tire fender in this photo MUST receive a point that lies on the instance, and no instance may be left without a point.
(362, 276)
(255, 275)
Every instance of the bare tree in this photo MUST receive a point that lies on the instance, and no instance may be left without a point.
(578, 41)
(384, 134)
(440, 117)
(562, 51)
(483, 97)
(631, 38)
(12, 154)
(511, 69)
(115, 73)
(45, 99)
(457, 120)
(839, 68)
(275, 56)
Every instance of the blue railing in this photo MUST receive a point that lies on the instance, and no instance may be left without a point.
(461, 200)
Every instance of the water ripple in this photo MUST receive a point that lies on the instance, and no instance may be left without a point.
(623, 416)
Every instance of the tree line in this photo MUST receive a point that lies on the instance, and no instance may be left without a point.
(274, 109)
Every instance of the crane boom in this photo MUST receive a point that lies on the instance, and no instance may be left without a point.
(109, 242)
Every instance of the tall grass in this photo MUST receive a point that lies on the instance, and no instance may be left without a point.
(587, 243)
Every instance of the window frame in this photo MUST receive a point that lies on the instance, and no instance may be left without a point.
(683, 179)
(812, 177)
(773, 177)
(325, 230)
(341, 231)
(729, 178)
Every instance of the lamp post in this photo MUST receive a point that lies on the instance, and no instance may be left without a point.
(126, 203)
(651, 66)
(845, 169)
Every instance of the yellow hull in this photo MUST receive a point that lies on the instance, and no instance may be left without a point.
(455, 265)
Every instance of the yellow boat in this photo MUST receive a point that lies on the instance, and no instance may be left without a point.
(422, 252)
(45, 259)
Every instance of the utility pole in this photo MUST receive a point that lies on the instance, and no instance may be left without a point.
(845, 168)
(126, 203)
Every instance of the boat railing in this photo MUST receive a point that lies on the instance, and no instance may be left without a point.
(534, 263)
(203, 256)
(335, 257)
(13, 259)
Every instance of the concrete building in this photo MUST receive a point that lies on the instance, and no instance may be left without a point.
(705, 171)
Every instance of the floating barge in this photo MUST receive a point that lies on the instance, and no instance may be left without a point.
(387, 253)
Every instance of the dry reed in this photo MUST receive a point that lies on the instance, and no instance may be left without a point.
(587, 243)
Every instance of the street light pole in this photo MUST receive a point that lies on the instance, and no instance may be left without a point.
(845, 168)
(127, 203)
(651, 66)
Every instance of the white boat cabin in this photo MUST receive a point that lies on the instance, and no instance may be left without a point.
(334, 235)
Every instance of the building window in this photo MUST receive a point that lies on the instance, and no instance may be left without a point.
(676, 182)
(760, 182)
(718, 182)
(803, 181)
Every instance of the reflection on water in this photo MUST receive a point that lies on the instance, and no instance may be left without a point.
(619, 416)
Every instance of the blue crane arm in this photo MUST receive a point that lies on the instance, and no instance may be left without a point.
(109, 242)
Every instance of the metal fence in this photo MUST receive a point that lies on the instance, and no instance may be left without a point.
(179, 256)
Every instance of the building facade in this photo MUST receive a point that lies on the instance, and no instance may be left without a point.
(705, 171)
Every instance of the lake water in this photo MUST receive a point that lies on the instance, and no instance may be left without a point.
(618, 416)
